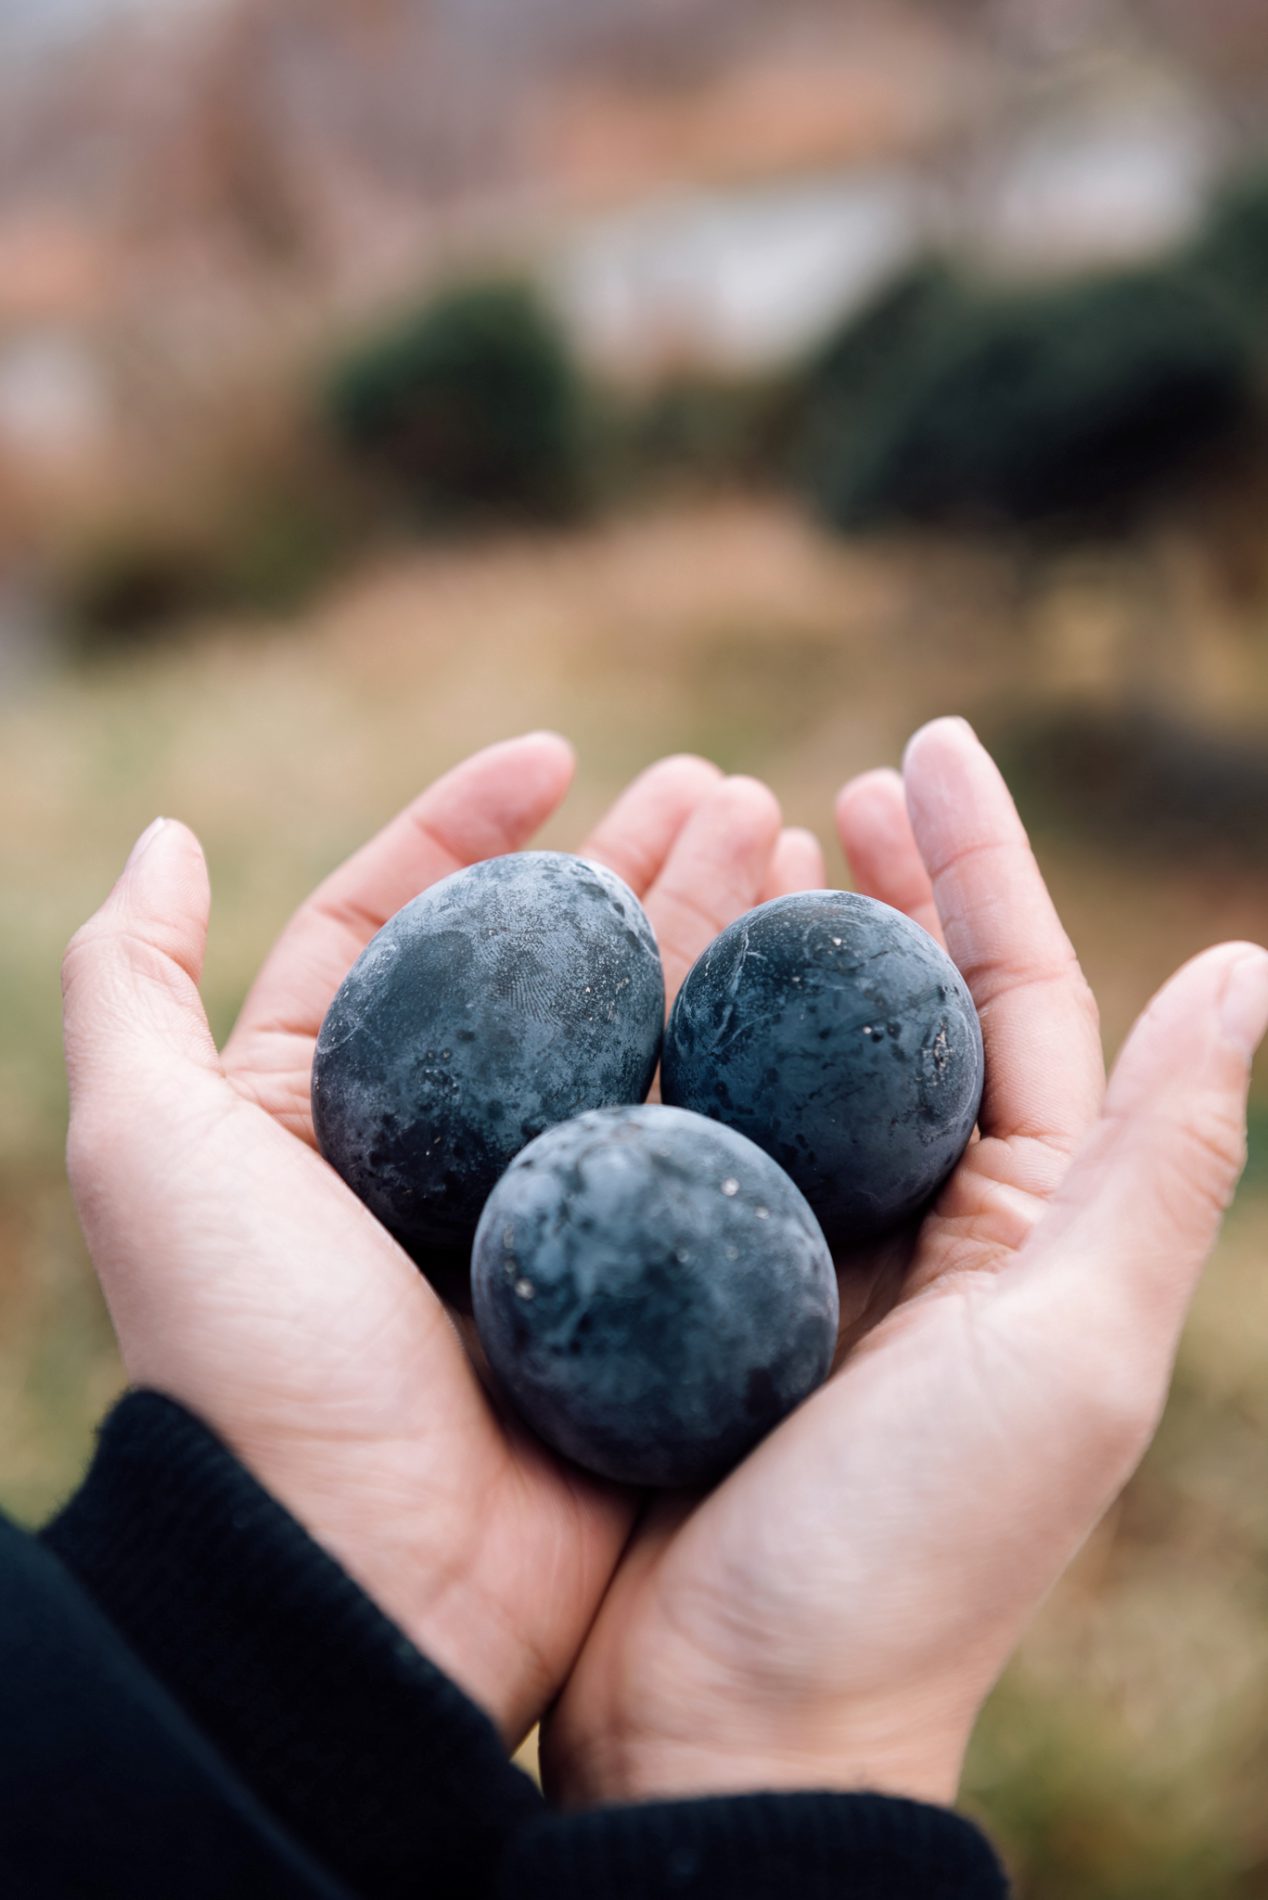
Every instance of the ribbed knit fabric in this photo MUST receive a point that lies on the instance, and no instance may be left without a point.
(359, 1746)
(756, 1847)
(324, 1742)
(107, 1790)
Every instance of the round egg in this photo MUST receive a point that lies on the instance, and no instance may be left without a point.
(835, 1033)
(508, 997)
(653, 1293)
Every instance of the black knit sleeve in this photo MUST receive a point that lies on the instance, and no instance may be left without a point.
(107, 1790)
(362, 1750)
(200, 1701)
(756, 1847)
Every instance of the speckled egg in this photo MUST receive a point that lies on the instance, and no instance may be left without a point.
(835, 1033)
(653, 1293)
(504, 999)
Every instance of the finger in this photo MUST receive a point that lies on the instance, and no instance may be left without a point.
(796, 865)
(880, 846)
(130, 974)
(1044, 1067)
(715, 871)
(635, 837)
(1135, 1218)
(1139, 1211)
(491, 803)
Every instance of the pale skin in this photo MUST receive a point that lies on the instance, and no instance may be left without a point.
(834, 1614)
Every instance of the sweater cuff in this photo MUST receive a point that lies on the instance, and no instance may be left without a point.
(757, 1847)
(361, 1747)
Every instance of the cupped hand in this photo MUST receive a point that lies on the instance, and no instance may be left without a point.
(834, 1614)
(245, 1280)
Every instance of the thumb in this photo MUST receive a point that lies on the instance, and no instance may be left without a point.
(1140, 1210)
(130, 975)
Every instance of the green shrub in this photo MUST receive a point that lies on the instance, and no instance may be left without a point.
(1145, 782)
(471, 407)
(965, 404)
(897, 323)
(1231, 250)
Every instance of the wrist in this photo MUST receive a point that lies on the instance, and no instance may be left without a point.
(687, 1773)
(897, 1751)
(909, 1747)
(352, 1739)
(420, 1568)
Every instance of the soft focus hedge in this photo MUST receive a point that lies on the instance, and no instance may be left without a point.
(949, 401)
(472, 406)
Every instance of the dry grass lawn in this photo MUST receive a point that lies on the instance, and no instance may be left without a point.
(1127, 1752)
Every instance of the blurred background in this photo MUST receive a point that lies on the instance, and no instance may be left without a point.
(380, 377)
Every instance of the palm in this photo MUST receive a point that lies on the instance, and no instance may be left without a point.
(394, 1415)
(1025, 1329)
(300, 1329)
(324, 1357)
(853, 1497)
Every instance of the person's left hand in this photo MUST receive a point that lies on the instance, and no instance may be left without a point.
(245, 1280)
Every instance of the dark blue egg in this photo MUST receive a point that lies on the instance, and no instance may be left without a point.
(505, 998)
(840, 1037)
(653, 1293)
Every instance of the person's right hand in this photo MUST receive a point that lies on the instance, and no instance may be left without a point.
(833, 1615)
(245, 1279)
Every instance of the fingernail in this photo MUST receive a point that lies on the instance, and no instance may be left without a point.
(144, 842)
(546, 732)
(943, 719)
(1244, 1001)
(882, 779)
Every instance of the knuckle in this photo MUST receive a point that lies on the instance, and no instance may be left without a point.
(1208, 1160)
(92, 972)
(121, 963)
(100, 943)
(80, 949)
(1085, 1000)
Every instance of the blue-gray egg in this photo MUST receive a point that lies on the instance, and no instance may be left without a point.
(839, 1036)
(653, 1293)
(506, 998)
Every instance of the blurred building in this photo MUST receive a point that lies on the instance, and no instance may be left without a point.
(188, 187)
